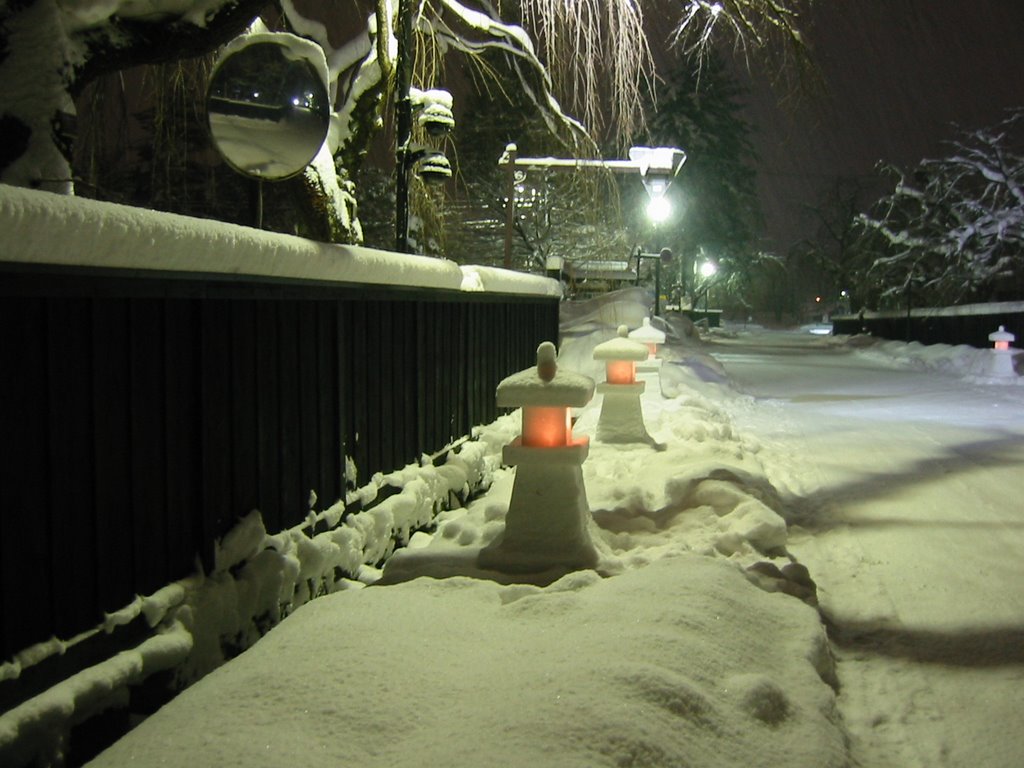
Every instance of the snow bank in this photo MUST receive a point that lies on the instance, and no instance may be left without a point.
(958, 360)
(652, 668)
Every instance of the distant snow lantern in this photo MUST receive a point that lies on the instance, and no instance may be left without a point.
(621, 419)
(1002, 360)
(1002, 338)
(546, 525)
(649, 335)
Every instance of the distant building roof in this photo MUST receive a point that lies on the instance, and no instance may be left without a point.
(599, 269)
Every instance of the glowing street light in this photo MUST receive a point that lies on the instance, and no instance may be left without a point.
(659, 209)
(708, 269)
(658, 166)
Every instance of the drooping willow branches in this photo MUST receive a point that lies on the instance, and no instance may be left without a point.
(599, 52)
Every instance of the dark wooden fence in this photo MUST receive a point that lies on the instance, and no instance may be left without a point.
(969, 325)
(143, 413)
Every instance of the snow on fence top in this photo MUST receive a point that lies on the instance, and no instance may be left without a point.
(45, 228)
(962, 310)
(477, 278)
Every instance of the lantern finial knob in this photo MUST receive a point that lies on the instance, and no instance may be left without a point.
(546, 364)
(623, 331)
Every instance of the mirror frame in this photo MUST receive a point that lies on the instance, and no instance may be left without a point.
(274, 130)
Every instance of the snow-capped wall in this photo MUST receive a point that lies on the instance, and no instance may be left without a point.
(44, 228)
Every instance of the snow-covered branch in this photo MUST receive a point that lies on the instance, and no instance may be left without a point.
(959, 225)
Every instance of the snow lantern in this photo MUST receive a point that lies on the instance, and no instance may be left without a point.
(650, 336)
(546, 526)
(621, 419)
(1002, 360)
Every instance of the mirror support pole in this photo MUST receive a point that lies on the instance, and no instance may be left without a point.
(259, 203)
(403, 123)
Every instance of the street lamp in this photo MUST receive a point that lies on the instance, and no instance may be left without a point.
(658, 209)
(657, 167)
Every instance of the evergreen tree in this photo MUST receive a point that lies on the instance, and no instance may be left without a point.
(717, 213)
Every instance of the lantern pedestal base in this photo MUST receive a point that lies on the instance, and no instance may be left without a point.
(1001, 363)
(622, 418)
(650, 365)
(547, 524)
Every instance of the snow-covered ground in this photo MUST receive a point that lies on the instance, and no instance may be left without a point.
(897, 470)
(901, 470)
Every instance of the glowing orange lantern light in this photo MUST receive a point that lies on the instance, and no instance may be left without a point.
(620, 371)
(546, 426)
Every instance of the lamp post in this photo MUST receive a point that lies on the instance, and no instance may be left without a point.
(707, 270)
(664, 257)
(657, 167)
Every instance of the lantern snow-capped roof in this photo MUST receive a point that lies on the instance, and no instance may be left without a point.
(545, 385)
(647, 333)
(1002, 335)
(621, 348)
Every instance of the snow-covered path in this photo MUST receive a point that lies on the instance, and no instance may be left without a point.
(908, 508)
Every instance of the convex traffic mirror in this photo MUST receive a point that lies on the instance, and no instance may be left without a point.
(267, 104)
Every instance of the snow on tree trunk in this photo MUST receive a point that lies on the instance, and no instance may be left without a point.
(35, 56)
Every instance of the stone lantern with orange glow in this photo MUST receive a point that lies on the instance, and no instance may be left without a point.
(1001, 362)
(650, 337)
(546, 526)
(622, 419)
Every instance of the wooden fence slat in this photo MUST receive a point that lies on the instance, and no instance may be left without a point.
(182, 437)
(293, 495)
(216, 514)
(72, 510)
(26, 595)
(148, 419)
(111, 391)
(330, 464)
(268, 413)
(244, 407)
(308, 393)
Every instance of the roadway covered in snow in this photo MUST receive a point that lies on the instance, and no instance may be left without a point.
(906, 502)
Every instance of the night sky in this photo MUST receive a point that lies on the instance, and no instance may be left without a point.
(899, 73)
